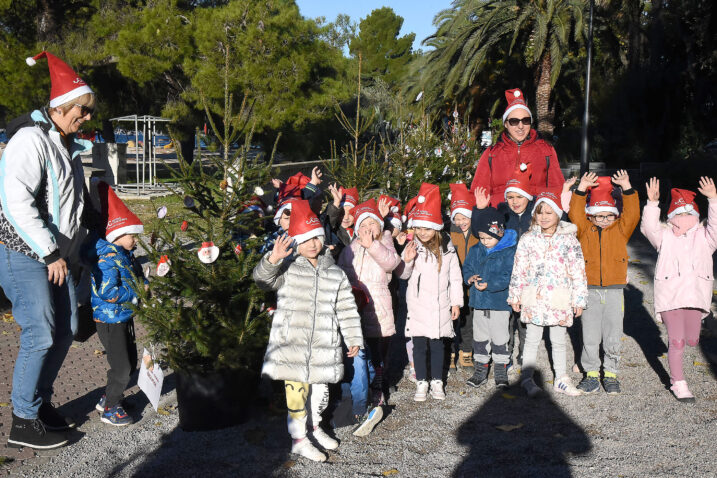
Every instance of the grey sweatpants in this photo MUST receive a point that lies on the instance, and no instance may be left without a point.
(602, 322)
(490, 335)
(533, 336)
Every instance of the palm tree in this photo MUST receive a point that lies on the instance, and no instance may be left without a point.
(474, 30)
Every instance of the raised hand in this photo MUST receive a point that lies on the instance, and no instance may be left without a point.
(401, 238)
(384, 207)
(588, 180)
(653, 189)
(622, 179)
(482, 198)
(316, 176)
(334, 190)
(707, 187)
(410, 252)
(276, 183)
(569, 183)
(365, 237)
(282, 249)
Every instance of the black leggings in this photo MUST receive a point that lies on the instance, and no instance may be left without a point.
(423, 350)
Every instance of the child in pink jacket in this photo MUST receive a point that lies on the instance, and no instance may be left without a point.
(683, 273)
(368, 262)
(434, 295)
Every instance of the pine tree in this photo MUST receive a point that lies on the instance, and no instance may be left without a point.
(212, 316)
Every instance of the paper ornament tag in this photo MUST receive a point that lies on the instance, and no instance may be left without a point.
(184, 226)
(161, 212)
(163, 266)
(208, 252)
(238, 249)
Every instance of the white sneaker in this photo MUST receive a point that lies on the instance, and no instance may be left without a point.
(368, 422)
(324, 440)
(304, 448)
(437, 392)
(421, 391)
(565, 385)
(531, 388)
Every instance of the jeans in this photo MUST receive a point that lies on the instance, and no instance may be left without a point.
(358, 374)
(47, 315)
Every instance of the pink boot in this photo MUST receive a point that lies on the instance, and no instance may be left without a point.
(682, 393)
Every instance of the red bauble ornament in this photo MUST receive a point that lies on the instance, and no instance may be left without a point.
(184, 226)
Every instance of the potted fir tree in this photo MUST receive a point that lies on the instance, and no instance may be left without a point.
(202, 308)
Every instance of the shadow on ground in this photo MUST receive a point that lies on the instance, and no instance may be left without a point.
(546, 435)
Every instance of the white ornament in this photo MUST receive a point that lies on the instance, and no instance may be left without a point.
(208, 253)
(163, 266)
(421, 199)
(258, 191)
(161, 212)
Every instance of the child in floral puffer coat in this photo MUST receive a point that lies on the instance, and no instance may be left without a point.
(548, 286)
(683, 273)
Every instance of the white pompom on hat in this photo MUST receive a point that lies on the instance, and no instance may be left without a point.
(516, 100)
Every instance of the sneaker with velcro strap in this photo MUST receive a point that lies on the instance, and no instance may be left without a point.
(611, 385)
(589, 384)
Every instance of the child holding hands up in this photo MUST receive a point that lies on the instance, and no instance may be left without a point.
(683, 273)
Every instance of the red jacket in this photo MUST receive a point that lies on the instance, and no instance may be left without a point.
(497, 163)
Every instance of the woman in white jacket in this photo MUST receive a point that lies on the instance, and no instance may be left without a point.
(41, 208)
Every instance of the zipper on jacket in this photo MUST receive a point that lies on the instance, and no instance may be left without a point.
(418, 284)
(313, 321)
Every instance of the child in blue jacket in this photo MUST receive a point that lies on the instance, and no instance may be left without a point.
(114, 271)
(487, 271)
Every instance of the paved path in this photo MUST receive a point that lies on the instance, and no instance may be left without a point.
(642, 432)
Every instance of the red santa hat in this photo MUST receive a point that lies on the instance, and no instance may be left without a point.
(462, 200)
(349, 196)
(292, 187)
(120, 220)
(682, 201)
(304, 224)
(550, 197)
(519, 182)
(66, 84)
(284, 206)
(394, 210)
(255, 204)
(367, 210)
(601, 199)
(425, 209)
(516, 100)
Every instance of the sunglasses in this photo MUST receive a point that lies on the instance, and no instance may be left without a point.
(515, 121)
(85, 110)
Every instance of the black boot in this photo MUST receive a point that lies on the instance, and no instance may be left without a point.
(500, 375)
(52, 419)
(480, 376)
(32, 434)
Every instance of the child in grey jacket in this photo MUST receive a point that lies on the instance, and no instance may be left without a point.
(314, 303)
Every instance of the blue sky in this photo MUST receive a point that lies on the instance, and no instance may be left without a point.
(417, 14)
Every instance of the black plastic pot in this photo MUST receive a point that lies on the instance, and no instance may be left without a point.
(215, 400)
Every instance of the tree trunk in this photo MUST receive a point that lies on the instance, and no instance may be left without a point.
(45, 20)
(545, 114)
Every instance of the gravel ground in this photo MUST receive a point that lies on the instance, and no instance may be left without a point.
(642, 432)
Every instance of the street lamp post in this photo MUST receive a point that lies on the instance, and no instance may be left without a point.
(584, 162)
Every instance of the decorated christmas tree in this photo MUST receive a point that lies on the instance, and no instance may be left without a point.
(202, 306)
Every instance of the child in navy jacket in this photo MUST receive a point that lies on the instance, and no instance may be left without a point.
(487, 271)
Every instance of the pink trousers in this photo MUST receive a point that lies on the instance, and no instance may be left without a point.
(683, 326)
